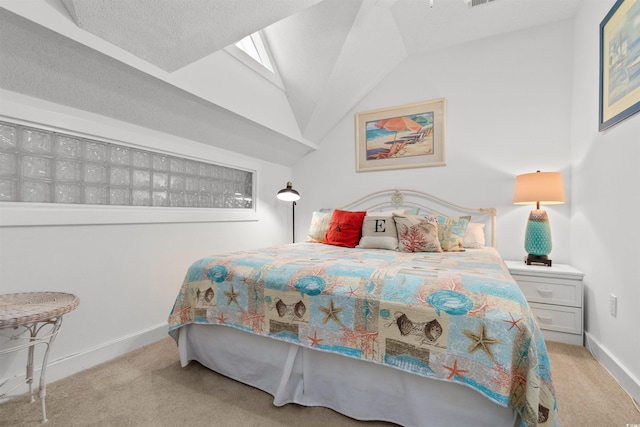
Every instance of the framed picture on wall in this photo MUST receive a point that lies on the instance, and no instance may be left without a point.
(620, 63)
(405, 136)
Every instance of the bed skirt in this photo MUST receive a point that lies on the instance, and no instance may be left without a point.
(358, 389)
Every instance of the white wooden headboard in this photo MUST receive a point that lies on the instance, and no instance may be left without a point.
(427, 204)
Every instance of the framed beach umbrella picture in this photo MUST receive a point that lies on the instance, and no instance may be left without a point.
(406, 136)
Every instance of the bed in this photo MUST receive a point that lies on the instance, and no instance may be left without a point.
(417, 336)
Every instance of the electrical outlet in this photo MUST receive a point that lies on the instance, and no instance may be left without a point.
(613, 305)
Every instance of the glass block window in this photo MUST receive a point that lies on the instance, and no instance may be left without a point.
(42, 166)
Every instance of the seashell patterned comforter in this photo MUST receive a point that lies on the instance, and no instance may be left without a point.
(450, 316)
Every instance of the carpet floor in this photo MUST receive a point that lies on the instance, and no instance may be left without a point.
(147, 387)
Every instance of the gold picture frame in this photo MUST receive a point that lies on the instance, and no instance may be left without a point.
(405, 136)
(619, 63)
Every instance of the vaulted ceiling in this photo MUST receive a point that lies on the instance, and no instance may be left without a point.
(329, 54)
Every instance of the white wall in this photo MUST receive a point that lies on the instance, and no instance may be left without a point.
(126, 275)
(508, 112)
(606, 198)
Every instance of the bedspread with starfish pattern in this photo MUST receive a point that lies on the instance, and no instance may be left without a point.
(452, 316)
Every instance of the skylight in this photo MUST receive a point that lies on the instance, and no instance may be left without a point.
(253, 52)
(253, 46)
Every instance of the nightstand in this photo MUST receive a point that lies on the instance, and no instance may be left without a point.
(555, 295)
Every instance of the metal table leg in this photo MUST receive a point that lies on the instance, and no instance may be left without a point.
(33, 339)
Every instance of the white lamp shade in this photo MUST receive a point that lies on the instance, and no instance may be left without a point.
(539, 187)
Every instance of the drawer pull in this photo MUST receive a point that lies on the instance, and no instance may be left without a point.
(545, 319)
(545, 292)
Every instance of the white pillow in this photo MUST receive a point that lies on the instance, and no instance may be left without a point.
(379, 231)
(474, 236)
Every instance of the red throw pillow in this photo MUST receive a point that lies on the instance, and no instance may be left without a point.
(345, 228)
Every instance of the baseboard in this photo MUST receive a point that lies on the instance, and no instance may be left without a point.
(74, 363)
(615, 368)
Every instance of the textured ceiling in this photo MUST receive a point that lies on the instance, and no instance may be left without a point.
(329, 53)
(174, 33)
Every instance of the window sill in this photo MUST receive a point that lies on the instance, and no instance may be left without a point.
(48, 214)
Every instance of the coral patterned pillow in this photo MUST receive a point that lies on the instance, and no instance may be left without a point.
(345, 228)
(417, 233)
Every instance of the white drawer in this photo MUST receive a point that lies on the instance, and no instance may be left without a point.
(558, 318)
(551, 291)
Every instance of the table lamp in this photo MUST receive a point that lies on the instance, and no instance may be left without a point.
(538, 188)
(290, 195)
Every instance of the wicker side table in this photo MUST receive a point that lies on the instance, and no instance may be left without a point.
(33, 312)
